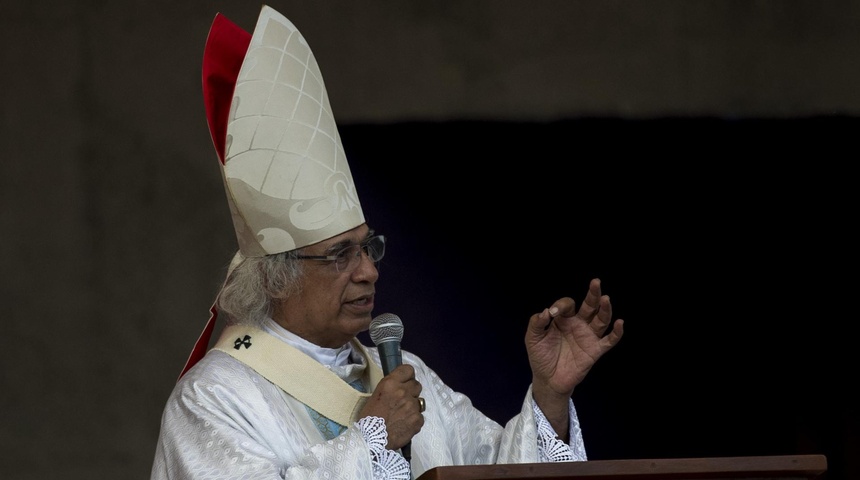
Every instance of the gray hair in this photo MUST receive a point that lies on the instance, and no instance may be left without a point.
(255, 284)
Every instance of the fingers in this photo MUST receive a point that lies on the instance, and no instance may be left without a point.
(539, 322)
(403, 383)
(592, 302)
(566, 307)
(399, 387)
(403, 373)
(596, 310)
(396, 400)
(601, 321)
(614, 336)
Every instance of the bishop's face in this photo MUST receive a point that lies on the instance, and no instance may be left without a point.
(336, 298)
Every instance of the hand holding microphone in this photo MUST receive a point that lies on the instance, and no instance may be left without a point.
(396, 398)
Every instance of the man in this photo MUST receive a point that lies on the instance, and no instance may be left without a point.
(288, 391)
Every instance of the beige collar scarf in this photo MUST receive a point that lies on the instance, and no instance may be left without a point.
(289, 368)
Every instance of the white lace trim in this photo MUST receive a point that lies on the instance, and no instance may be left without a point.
(387, 464)
(550, 447)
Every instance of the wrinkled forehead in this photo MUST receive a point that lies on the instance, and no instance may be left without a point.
(350, 237)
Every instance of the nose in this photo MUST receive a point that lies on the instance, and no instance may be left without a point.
(366, 270)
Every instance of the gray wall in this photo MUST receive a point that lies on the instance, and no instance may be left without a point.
(114, 226)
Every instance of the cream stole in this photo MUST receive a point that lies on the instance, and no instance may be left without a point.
(307, 380)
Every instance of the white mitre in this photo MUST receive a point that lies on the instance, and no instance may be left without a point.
(285, 172)
(286, 176)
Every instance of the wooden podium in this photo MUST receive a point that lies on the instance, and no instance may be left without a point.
(783, 467)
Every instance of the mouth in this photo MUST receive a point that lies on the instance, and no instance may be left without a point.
(362, 301)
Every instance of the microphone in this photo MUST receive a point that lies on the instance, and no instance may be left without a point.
(386, 331)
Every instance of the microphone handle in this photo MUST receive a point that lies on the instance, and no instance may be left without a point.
(391, 358)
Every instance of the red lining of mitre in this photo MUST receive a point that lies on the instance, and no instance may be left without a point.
(223, 55)
(202, 344)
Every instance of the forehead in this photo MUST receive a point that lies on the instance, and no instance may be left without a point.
(356, 235)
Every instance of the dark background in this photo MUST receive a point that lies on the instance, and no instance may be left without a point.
(696, 156)
(723, 264)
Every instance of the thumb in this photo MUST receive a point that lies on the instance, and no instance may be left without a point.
(540, 322)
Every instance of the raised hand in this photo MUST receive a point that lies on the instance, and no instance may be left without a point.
(563, 343)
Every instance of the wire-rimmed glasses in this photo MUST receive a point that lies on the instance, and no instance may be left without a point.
(348, 257)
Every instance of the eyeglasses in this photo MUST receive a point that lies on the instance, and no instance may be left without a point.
(348, 258)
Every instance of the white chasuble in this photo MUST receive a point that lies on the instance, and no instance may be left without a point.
(225, 420)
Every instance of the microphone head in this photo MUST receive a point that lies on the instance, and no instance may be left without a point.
(386, 328)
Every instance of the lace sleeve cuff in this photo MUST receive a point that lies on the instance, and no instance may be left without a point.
(387, 464)
(550, 447)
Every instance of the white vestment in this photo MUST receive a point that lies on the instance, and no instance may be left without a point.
(224, 420)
